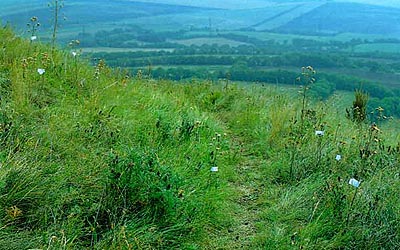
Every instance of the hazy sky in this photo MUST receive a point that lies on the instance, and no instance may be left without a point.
(244, 4)
(394, 3)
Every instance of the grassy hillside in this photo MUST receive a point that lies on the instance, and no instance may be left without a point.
(93, 158)
(136, 35)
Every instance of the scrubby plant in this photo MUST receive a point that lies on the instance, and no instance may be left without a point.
(358, 112)
(33, 27)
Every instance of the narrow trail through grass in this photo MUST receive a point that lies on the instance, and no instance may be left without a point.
(248, 188)
(247, 205)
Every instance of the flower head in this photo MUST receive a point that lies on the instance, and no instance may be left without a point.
(374, 127)
(41, 71)
(33, 38)
(214, 169)
(319, 132)
(338, 157)
(354, 182)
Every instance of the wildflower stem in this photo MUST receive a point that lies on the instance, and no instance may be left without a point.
(53, 38)
(351, 205)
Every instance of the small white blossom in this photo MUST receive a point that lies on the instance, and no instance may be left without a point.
(74, 54)
(319, 132)
(33, 38)
(338, 157)
(41, 71)
(214, 169)
(354, 182)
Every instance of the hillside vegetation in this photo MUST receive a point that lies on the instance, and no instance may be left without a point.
(170, 40)
(93, 158)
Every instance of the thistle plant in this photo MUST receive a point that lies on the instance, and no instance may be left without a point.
(306, 79)
(55, 6)
(33, 27)
(216, 145)
(73, 45)
(99, 67)
(378, 115)
(227, 79)
(299, 133)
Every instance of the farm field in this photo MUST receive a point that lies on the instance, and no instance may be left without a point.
(378, 47)
(119, 50)
(207, 41)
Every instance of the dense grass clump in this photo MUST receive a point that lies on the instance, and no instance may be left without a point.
(92, 157)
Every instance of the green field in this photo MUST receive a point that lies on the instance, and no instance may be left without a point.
(209, 41)
(378, 47)
(118, 50)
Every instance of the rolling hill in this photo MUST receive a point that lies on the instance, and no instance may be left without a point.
(77, 13)
(333, 18)
(295, 17)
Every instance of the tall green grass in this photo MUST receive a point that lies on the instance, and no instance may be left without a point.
(92, 157)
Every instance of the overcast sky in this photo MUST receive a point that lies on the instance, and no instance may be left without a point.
(244, 4)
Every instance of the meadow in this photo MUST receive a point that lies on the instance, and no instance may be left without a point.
(184, 42)
(93, 157)
(131, 137)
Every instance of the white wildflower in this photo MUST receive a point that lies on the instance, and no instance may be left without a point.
(319, 132)
(214, 169)
(354, 182)
(41, 71)
(338, 157)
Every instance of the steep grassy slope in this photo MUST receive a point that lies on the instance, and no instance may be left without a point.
(93, 158)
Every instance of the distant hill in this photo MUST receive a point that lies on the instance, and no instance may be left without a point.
(333, 18)
(391, 3)
(226, 4)
(78, 12)
(294, 17)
